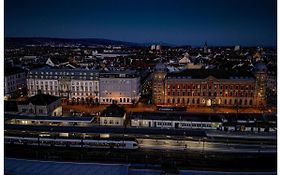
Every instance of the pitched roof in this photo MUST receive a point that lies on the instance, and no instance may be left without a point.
(12, 70)
(113, 111)
(40, 99)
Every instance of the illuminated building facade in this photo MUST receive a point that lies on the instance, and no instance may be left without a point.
(205, 87)
(80, 85)
(122, 87)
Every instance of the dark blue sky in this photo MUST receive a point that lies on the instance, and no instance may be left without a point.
(219, 22)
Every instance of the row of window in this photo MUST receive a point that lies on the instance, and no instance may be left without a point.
(225, 94)
(15, 76)
(47, 87)
(40, 111)
(121, 100)
(197, 101)
(61, 77)
(164, 123)
(196, 125)
(62, 73)
(241, 87)
(111, 122)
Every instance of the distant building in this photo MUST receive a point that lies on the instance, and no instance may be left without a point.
(41, 105)
(113, 115)
(158, 47)
(14, 79)
(153, 47)
(237, 48)
(206, 47)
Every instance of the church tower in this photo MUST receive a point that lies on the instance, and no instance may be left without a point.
(205, 47)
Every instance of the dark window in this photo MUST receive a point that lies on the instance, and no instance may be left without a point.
(251, 102)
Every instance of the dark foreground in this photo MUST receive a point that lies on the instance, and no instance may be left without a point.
(152, 159)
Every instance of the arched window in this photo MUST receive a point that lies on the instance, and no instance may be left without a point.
(251, 102)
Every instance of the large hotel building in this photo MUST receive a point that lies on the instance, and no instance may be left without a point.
(80, 85)
(205, 87)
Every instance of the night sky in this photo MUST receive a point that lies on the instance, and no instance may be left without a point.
(219, 22)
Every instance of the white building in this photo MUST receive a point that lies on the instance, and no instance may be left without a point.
(41, 105)
(14, 79)
(158, 47)
(80, 85)
(113, 115)
(75, 84)
(122, 87)
(153, 47)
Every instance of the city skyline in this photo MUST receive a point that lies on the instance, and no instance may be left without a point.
(250, 23)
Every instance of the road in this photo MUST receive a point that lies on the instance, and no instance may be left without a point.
(187, 145)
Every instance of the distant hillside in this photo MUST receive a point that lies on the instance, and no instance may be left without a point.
(17, 42)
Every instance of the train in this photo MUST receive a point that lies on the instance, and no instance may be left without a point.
(78, 143)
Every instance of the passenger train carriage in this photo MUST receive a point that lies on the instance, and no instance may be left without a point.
(87, 143)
